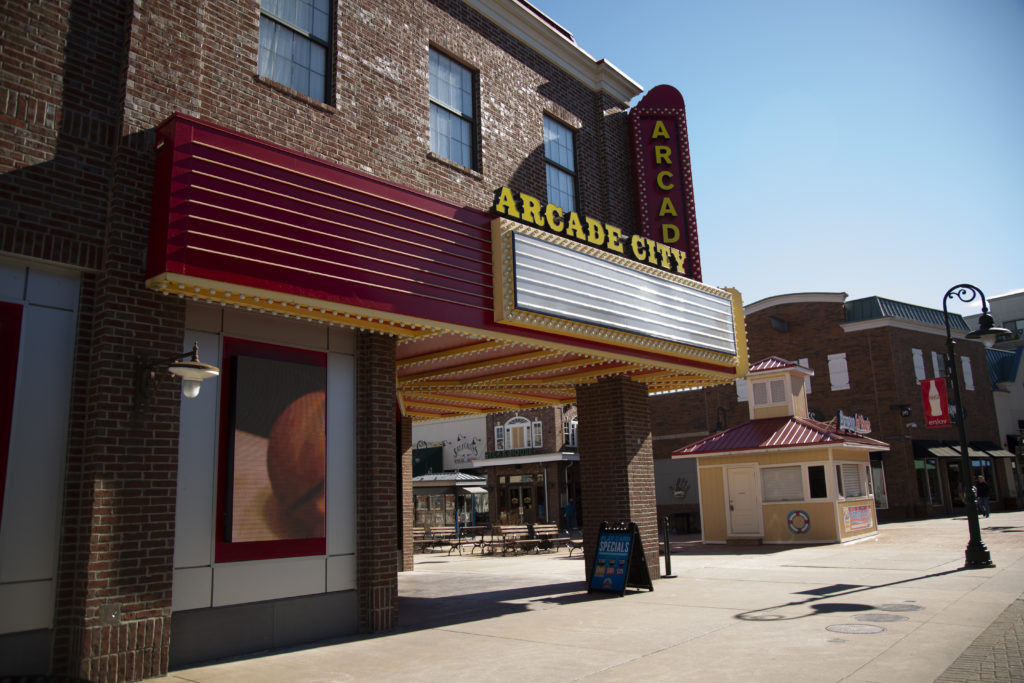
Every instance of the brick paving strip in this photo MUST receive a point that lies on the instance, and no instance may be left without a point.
(996, 655)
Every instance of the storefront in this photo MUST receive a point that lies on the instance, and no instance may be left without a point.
(450, 499)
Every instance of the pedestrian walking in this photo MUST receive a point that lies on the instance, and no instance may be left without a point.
(982, 488)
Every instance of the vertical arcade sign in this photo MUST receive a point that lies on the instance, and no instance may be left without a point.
(936, 407)
(664, 180)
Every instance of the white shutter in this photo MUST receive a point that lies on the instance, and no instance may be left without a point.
(965, 363)
(851, 481)
(918, 364)
(804, 363)
(741, 390)
(782, 483)
(838, 374)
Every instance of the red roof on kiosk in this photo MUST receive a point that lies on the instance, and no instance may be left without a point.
(776, 432)
(776, 363)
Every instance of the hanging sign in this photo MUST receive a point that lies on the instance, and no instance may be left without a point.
(936, 407)
(664, 181)
(620, 560)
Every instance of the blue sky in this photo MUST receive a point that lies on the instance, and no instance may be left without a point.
(872, 147)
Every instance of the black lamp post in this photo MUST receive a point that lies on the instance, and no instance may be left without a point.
(977, 555)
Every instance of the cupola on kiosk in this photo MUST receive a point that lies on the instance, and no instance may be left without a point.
(782, 477)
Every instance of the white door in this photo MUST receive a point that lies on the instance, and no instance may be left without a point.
(744, 512)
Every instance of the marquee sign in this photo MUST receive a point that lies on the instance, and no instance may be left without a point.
(664, 180)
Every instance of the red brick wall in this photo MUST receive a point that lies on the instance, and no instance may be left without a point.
(376, 483)
(617, 466)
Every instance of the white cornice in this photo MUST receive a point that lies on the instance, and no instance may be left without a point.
(875, 323)
(522, 23)
(799, 298)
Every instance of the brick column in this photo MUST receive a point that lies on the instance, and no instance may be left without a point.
(376, 483)
(617, 463)
(405, 490)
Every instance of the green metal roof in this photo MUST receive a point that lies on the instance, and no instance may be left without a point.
(875, 307)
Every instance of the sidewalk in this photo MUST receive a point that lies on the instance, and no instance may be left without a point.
(894, 608)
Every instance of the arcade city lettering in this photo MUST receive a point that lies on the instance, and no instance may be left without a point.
(531, 211)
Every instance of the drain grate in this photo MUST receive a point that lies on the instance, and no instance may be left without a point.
(854, 628)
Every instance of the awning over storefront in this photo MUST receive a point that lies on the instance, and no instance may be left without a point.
(491, 315)
(527, 459)
(949, 452)
(1000, 453)
(473, 489)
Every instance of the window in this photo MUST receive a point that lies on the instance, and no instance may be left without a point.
(816, 482)
(769, 393)
(570, 430)
(518, 433)
(805, 363)
(452, 110)
(559, 155)
(918, 364)
(294, 44)
(741, 390)
(781, 483)
(838, 374)
(878, 484)
(938, 364)
(965, 364)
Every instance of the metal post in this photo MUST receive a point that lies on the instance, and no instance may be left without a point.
(976, 553)
(668, 553)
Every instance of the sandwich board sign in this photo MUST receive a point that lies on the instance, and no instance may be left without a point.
(620, 560)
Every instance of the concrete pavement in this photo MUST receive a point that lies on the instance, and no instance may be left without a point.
(894, 608)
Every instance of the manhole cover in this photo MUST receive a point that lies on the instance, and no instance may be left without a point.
(854, 628)
(900, 607)
(880, 617)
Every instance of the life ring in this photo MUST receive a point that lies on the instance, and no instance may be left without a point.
(798, 521)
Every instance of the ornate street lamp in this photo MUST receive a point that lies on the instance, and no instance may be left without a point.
(977, 555)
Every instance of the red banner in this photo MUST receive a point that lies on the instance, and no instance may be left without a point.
(936, 407)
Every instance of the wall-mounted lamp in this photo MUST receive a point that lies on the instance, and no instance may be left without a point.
(186, 366)
(905, 410)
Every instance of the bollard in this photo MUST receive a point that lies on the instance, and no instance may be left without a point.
(668, 553)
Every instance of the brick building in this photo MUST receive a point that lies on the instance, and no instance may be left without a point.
(328, 198)
(868, 357)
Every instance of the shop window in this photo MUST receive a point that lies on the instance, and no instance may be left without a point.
(770, 392)
(781, 483)
(294, 47)
(272, 462)
(452, 110)
(560, 162)
(928, 489)
(918, 364)
(878, 485)
(838, 374)
(965, 365)
(10, 340)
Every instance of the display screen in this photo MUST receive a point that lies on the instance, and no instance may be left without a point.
(276, 450)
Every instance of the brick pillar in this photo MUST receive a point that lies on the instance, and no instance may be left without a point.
(405, 489)
(376, 483)
(617, 463)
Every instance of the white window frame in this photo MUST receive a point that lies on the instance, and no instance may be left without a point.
(518, 430)
(838, 372)
(570, 432)
(742, 393)
(938, 364)
(783, 484)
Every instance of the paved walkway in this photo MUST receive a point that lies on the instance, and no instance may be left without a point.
(897, 607)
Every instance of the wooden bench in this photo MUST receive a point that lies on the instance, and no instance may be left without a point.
(442, 536)
(420, 539)
(513, 538)
(549, 536)
(574, 544)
